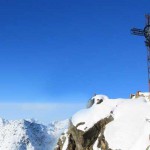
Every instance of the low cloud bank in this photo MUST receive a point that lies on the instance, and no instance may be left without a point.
(43, 112)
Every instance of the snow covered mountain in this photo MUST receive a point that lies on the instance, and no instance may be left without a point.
(29, 135)
(109, 124)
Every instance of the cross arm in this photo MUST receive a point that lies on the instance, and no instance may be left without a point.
(136, 31)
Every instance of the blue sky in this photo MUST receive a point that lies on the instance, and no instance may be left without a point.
(64, 51)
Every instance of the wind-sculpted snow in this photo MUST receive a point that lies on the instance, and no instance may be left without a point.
(29, 135)
(101, 108)
(131, 127)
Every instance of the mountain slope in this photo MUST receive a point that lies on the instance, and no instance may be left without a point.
(109, 124)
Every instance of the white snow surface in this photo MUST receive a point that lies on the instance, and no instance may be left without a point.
(130, 129)
(29, 135)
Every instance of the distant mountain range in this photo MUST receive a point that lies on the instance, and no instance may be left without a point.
(29, 135)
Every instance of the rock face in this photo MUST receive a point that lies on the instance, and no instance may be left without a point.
(79, 140)
(106, 124)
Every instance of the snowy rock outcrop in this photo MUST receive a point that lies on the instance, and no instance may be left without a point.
(29, 135)
(109, 124)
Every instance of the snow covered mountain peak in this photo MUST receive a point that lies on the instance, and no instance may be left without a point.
(114, 124)
(3, 122)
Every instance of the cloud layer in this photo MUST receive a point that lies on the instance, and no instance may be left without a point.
(43, 112)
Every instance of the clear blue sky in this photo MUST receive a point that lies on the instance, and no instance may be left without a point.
(67, 50)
